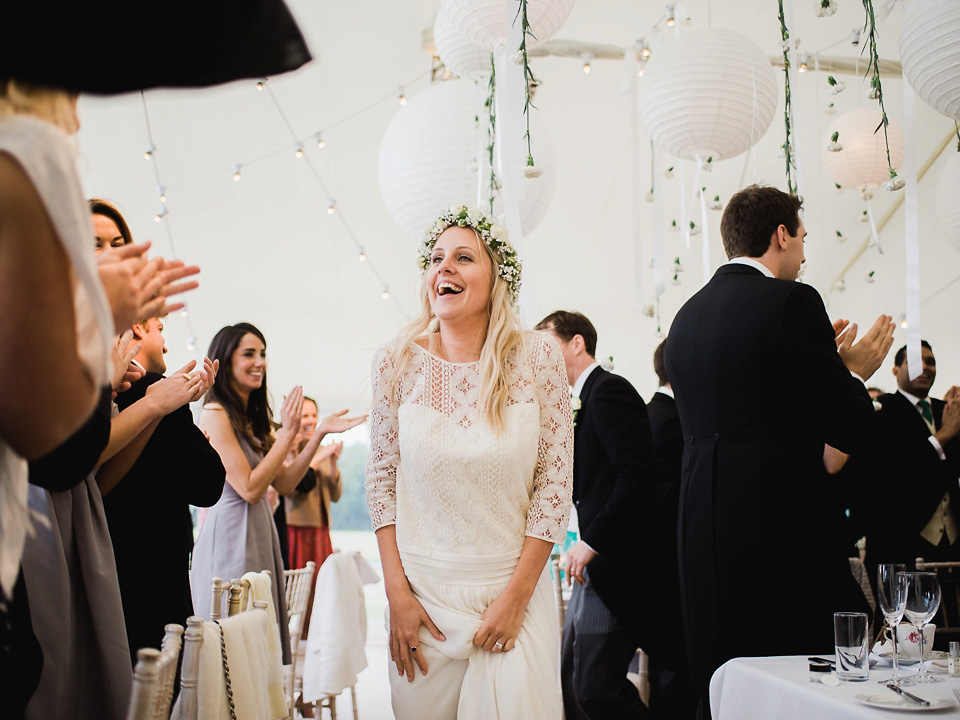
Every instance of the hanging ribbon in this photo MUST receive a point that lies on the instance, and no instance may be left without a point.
(704, 239)
(684, 223)
(658, 284)
(873, 225)
(912, 231)
(483, 172)
(629, 80)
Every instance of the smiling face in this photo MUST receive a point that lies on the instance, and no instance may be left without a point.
(308, 418)
(793, 256)
(106, 234)
(248, 364)
(920, 385)
(460, 276)
(153, 347)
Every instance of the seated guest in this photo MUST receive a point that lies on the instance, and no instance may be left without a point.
(175, 467)
(914, 463)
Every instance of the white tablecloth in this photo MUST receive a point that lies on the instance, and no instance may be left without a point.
(778, 688)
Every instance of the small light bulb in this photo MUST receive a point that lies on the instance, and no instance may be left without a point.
(386, 293)
(236, 173)
(332, 207)
(320, 142)
(259, 85)
(640, 70)
(645, 52)
(586, 68)
(162, 192)
(299, 152)
(160, 215)
(671, 21)
(361, 256)
(904, 323)
(148, 153)
(401, 98)
(183, 313)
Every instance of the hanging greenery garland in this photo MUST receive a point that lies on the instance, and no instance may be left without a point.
(876, 90)
(787, 146)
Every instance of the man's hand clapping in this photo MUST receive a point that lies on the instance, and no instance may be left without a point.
(864, 357)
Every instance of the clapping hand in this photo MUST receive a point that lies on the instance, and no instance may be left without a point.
(864, 357)
(325, 454)
(950, 422)
(839, 326)
(124, 373)
(177, 390)
(290, 412)
(337, 423)
(207, 374)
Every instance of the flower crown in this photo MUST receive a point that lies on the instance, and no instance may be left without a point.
(495, 237)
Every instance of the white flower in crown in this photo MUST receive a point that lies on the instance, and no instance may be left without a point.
(827, 8)
(495, 237)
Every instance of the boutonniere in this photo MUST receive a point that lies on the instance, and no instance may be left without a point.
(575, 406)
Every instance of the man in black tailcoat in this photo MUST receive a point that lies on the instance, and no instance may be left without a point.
(614, 492)
(762, 381)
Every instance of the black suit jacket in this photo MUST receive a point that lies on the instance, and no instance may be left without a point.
(149, 518)
(614, 490)
(760, 388)
(906, 476)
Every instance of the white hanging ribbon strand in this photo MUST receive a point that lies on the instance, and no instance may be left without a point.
(629, 78)
(684, 226)
(483, 172)
(873, 226)
(658, 284)
(912, 231)
(705, 239)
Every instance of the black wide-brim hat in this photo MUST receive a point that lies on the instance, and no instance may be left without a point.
(116, 46)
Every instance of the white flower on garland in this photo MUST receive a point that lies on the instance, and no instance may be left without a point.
(835, 86)
(668, 173)
(840, 237)
(782, 153)
(532, 171)
(872, 93)
(864, 216)
(694, 228)
(834, 145)
(869, 278)
(708, 164)
(841, 285)
(649, 196)
(827, 8)
(894, 183)
(495, 237)
(830, 109)
(676, 279)
(517, 58)
(649, 310)
(715, 204)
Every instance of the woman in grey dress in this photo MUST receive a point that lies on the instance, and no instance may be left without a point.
(239, 535)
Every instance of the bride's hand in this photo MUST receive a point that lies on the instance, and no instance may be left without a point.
(500, 623)
(406, 617)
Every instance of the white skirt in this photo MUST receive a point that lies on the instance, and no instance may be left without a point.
(464, 682)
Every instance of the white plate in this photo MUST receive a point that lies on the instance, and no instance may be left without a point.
(889, 700)
(902, 659)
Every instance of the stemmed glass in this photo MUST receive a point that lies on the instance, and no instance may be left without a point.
(892, 593)
(923, 599)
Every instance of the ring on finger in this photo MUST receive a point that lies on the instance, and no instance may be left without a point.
(413, 649)
(498, 645)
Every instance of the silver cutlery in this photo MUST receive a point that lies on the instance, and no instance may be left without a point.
(901, 691)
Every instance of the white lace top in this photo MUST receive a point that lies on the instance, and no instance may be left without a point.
(449, 482)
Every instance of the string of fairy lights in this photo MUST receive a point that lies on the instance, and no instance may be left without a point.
(236, 171)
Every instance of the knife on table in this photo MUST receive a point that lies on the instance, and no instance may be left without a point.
(900, 691)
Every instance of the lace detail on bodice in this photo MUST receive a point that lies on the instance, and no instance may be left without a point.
(449, 482)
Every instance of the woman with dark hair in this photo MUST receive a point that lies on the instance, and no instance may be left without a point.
(238, 535)
(110, 230)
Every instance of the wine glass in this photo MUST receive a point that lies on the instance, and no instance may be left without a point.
(923, 599)
(892, 594)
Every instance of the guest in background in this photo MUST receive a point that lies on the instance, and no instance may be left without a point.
(308, 506)
(761, 387)
(914, 455)
(239, 535)
(671, 695)
(615, 493)
(148, 511)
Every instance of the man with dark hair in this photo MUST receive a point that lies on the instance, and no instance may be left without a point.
(670, 691)
(914, 454)
(612, 610)
(762, 381)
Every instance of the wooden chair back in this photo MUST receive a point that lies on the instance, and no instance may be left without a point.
(154, 676)
(947, 618)
(296, 586)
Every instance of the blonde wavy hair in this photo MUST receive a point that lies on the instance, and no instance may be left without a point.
(500, 347)
(50, 104)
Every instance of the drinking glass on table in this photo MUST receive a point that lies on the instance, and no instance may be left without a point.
(923, 599)
(892, 594)
(850, 646)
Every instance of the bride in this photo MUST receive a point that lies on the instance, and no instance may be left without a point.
(469, 484)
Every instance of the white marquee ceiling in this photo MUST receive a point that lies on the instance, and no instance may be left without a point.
(272, 255)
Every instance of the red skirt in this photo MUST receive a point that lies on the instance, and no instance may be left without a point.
(309, 543)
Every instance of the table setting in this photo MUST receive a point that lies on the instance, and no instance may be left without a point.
(899, 673)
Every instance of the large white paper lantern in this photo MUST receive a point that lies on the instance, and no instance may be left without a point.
(458, 55)
(930, 53)
(707, 93)
(428, 159)
(862, 164)
(948, 209)
(484, 22)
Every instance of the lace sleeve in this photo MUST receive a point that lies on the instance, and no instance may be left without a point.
(553, 478)
(381, 482)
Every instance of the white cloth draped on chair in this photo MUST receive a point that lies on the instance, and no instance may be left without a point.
(338, 626)
(261, 589)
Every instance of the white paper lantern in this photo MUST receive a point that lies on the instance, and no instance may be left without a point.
(948, 209)
(930, 53)
(484, 22)
(707, 93)
(862, 164)
(458, 55)
(428, 159)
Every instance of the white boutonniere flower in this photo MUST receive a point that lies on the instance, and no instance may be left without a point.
(575, 406)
